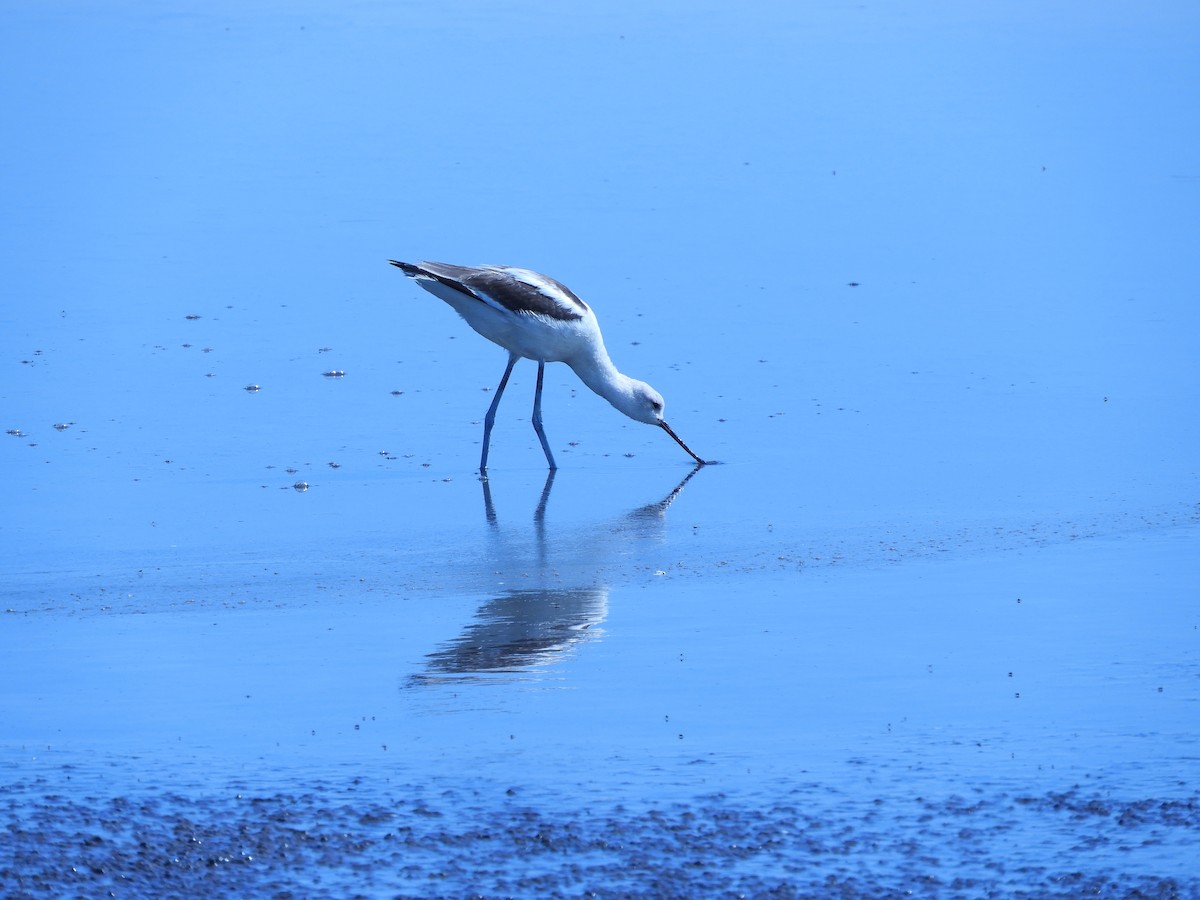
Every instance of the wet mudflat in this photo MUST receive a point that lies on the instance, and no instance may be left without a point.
(361, 840)
(922, 283)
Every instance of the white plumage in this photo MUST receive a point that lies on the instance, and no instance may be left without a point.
(533, 316)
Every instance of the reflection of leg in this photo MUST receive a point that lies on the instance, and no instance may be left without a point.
(539, 519)
(489, 509)
(537, 416)
(490, 418)
(539, 514)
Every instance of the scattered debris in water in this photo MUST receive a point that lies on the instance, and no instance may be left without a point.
(301, 486)
(334, 373)
(251, 388)
(191, 318)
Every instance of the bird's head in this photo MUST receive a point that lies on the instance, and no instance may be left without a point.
(646, 404)
(643, 403)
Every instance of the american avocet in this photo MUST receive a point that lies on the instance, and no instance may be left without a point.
(536, 317)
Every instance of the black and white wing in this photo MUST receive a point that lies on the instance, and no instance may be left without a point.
(505, 288)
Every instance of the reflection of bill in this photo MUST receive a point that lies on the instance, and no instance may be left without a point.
(527, 629)
(521, 630)
(653, 510)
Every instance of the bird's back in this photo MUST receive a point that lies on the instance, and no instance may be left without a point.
(525, 312)
(509, 288)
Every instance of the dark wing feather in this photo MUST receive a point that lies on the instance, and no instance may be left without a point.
(516, 290)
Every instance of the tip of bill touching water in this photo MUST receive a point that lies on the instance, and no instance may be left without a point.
(700, 462)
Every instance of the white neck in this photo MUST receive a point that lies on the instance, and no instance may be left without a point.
(599, 374)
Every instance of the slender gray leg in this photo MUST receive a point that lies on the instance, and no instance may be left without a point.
(490, 418)
(537, 416)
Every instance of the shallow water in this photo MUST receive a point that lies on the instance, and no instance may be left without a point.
(921, 281)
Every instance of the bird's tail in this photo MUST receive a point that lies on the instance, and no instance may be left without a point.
(409, 269)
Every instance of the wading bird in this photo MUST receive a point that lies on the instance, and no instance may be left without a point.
(535, 317)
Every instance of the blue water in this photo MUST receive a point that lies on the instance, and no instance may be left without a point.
(920, 278)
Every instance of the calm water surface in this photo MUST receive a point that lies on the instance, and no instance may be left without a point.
(920, 279)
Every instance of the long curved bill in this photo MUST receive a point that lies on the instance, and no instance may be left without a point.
(667, 429)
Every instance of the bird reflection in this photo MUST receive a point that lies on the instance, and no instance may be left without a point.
(519, 632)
(658, 509)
